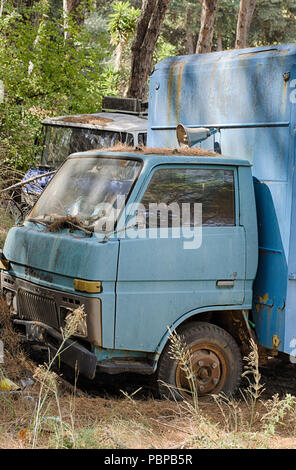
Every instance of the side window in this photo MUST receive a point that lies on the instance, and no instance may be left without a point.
(142, 139)
(212, 188)
(128, 139)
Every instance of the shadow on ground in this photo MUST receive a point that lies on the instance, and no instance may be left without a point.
(278, 376)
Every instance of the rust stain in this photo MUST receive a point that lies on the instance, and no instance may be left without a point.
(170, 87)
(53, 250)
(212, 80)
(284, 98)
(280, 309)
(276, 341)
(264, 298)
(179, 86)
(30, 272)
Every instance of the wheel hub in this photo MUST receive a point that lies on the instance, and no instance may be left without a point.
(206, 369)
(207, 372)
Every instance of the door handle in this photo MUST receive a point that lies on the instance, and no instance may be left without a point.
(225, 283)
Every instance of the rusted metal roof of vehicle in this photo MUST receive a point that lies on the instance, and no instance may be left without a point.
(107, 121)
(87, 119)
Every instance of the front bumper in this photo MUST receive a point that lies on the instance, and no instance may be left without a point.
(33, 302)
(72, 353)
(39, 313)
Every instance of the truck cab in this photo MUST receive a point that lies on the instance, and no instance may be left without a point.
(150, 243)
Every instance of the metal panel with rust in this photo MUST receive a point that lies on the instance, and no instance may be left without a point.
(249, 95)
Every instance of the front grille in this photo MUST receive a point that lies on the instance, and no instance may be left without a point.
(37, 308)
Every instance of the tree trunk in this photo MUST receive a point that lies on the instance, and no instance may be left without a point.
(147, 33)
(72, 8)
(246, 11)
(1, 7)
(208, 15)
(118, 55)
(189, 34)
(219, 42)
(39, 20)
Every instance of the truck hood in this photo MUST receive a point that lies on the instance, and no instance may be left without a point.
(63, 253)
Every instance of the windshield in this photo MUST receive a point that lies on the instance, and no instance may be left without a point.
(61, 141)
(93, 190)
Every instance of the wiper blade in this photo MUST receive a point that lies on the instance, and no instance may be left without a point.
(38, 221)
(109, 234)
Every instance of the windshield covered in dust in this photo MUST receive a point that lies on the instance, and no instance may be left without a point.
(91, 190)
(61, 141)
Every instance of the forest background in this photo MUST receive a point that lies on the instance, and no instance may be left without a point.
(62, 56)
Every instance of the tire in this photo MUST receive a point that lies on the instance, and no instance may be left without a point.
(215, 360)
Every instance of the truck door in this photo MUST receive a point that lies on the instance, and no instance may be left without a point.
(160, 279)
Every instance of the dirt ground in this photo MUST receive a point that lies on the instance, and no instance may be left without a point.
(279, 376)
(175, 426)
(123, 412)
(144, 421)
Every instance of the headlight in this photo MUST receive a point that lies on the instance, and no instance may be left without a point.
(11, 300)
(4, 263)
(80, 327)
(8, 295)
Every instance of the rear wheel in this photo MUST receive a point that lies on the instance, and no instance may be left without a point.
(213, 358)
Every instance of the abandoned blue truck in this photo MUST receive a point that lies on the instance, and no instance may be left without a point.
(229, 275)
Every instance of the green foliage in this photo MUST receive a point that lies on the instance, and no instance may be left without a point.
(163, 49)
(273, 22)
(182, 19)
(45, 75)
(278, 409)
(122, 22)
(225, 24)
(6, 222)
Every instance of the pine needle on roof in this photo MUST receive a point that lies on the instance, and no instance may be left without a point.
(196, 151)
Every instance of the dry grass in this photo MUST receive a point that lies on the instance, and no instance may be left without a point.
(87, 119)
(6, 222)
(122, 423)
(16, 362)
(68, 419)
(187, 151)
(8, 174)
(64, 222)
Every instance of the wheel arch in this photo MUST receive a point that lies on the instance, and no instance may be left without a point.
(232, 319)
